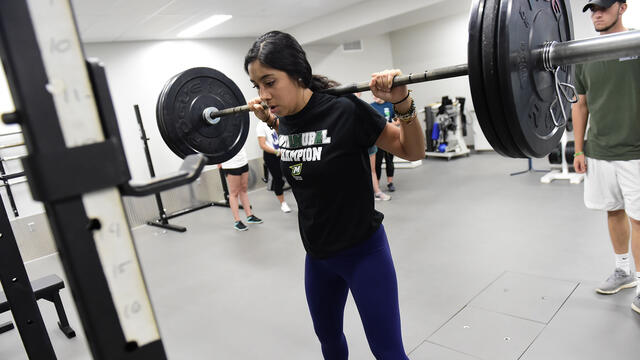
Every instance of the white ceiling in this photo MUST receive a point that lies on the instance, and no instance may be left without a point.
(319, 21)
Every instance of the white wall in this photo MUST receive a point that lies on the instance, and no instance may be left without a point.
(431, 45)
(348, 67)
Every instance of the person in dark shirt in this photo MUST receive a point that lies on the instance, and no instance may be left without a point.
(386, 109)
(323, 141)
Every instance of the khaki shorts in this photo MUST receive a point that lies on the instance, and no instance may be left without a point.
(613, 185)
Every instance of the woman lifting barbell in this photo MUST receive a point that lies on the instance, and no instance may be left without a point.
(323, 141)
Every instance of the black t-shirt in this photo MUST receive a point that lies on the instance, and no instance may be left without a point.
(324, 157)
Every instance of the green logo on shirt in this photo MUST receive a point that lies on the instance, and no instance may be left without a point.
(296, 169)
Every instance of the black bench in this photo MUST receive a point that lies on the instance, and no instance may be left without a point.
(47, 288)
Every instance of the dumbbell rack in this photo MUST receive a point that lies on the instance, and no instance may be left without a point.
(461, 148)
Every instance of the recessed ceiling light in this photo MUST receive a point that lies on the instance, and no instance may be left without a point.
(203, 26)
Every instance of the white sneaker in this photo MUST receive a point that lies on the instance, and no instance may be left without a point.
(382, 196)
(285, 208)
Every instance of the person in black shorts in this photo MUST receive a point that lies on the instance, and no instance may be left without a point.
(268, 141)
(386, 109)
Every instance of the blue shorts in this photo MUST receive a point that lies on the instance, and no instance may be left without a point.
(372, 150)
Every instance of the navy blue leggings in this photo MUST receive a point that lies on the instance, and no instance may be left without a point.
(367, 270)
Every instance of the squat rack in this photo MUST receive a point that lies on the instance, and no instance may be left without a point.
(69, 127)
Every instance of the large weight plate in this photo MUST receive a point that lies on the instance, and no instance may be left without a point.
(160, 123)
(526, 88)
(476, 79)
(491, 78)
(179, 115)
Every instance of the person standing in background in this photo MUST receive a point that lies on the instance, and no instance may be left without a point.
(609, 95)
(268, 141)
(236, 171)
(386, 109)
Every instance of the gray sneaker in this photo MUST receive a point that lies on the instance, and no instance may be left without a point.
(635, 305)
(617, 281)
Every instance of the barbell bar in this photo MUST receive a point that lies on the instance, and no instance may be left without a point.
(519, 54)
(211, 114)
(606, 47)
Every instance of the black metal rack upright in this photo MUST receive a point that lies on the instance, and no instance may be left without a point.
(5, 182)
(64, 108)
(19, 293)
(163, 219)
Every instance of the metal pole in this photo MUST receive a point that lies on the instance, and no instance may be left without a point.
(429, 75)
(19, 293)
(145, 139)
(605, 47)
(7, 185)
(163, 220)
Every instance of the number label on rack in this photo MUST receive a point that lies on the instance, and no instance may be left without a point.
(77, 112)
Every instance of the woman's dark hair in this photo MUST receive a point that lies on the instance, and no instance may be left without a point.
(282, 51)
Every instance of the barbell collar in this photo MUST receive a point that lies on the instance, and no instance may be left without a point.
(212, 115)
(209, 116)
(605, 47)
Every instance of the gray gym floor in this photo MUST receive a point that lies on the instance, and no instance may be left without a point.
(489, 267)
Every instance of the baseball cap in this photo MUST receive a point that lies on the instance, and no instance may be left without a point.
(602, 3)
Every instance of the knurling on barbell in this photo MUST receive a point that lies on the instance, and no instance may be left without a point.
(520, 56)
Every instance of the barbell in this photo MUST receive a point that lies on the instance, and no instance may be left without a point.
(519, 57)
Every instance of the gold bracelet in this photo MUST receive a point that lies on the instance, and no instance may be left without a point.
(408, 122)
(407, 117)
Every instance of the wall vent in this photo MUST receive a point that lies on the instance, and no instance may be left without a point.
(352, 46)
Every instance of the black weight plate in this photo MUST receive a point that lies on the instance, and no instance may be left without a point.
(554, 155)
(526, 88)
(476, 79)
(159, 119)
(491, 78)
(179, 115)
(569, 152)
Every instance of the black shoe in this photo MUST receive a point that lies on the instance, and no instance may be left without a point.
(390, 187)
(238, 225)
(252, 219)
